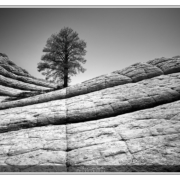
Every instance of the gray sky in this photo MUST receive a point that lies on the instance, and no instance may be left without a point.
(116, 38)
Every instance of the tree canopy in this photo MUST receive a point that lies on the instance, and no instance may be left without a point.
(64, 56)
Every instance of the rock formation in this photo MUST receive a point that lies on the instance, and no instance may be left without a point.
(125, 121)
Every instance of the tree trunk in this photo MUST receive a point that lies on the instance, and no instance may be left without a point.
(65, 81)
(66, 72)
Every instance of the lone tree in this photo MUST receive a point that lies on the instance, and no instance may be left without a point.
(63, 56)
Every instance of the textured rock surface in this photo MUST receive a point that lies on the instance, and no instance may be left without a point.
(28, 150)
(15, 77)
(30, 80)
(132, 74)
(144, 137)
(104, 103)
(128, 120)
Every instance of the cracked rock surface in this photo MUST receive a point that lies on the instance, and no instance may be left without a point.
(131, 74)
(100, 104)
(145, 137)
(125, 121)
(28, 150)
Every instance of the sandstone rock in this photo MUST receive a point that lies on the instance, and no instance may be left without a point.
(140, 71)
(104, 103)
(30, 80)
(18, 84)
(125, 121)
(38, 148)
(34, 115)
(8, 91)
(14, 81)
(167, 65)
(10, 66)
(123, 98)
(50, 96)
(134, 73)
(144, 138)
(2, 98)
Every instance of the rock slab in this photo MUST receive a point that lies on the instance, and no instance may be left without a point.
(125, 121)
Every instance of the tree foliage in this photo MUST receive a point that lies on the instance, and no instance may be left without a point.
(63, 56)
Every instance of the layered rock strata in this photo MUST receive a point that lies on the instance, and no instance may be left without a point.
(15, 80)
(132, 74)
(124, 121)
(131, 142)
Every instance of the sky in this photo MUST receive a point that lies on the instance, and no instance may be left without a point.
(116, 37)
